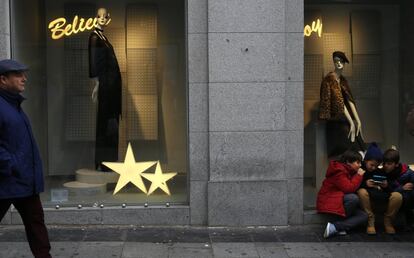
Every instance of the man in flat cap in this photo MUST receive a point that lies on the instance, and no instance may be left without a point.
(21, 176)
(337, 106)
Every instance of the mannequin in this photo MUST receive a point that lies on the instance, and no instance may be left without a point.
(107, 91)
(337, 107)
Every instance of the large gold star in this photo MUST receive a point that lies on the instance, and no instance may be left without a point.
(158, 180)
(129, 171)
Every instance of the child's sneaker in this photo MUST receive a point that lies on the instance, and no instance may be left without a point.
(342, 233)
(330, 230)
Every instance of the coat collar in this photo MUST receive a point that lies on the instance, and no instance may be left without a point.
(13, 98)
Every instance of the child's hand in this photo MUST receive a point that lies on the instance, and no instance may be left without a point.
(370, 183)
(408, 186)
(361, 172)
(384, 184)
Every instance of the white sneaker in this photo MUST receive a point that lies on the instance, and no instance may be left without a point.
(342, 233)
(330, 230)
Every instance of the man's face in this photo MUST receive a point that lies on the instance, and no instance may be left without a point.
(389, 166)
(103, 17)
(14, 81)
(355, 165)
(339, 64)
(371, 165)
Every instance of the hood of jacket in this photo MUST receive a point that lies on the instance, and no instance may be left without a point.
(336, 167)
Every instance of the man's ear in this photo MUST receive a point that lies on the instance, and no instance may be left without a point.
(3, 79)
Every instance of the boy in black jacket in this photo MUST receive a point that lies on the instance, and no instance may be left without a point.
(401, 180)
(375, 190)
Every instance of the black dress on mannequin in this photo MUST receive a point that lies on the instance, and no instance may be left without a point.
(104, 65)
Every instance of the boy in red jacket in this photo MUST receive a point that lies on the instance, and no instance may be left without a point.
(337, 194)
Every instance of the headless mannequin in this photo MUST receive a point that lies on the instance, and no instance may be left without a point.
(355, 128)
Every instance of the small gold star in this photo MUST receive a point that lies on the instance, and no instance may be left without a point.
(129, 171)
(159, 180)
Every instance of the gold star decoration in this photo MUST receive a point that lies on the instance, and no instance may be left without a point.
(129, 171)
(159, 180)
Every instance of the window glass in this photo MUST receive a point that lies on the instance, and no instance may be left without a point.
(97, 86)
(378, 45)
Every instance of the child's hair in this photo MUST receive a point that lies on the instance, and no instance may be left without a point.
(350, 156)
(391, 155)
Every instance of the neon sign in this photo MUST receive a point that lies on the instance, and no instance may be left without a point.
(316, 27)
(59, 28)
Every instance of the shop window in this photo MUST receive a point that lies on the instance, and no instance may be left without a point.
(376, 43)
(141, 105)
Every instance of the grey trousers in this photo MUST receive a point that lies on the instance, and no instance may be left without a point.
(354, 215)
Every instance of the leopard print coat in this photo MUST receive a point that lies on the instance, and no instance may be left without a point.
(332, 97)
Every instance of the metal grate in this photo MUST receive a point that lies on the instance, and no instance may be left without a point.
(142, 117)
(79, 40)
(142, 71)
(365, 82)
(313, 76)
(141, 26)
(80, 119)
(77, 72)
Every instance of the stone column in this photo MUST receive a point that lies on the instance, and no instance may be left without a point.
(4, 30)
(198, 109)
(255, 95)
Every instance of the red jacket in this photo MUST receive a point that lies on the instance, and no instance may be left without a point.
(340, 179)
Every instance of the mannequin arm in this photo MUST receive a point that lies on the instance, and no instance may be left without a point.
(351, 125)
(95, 82)
(357, 120)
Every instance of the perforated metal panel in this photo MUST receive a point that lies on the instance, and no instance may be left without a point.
(141, 26)
(80, 111)
(142, 77)
(142, 94)
(142, 117)
(336, 42)
(80, 119)
(313, 76)
(78, 40)
(367, 71)
(77, 72)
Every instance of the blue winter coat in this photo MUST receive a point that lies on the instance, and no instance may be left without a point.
(21, 172)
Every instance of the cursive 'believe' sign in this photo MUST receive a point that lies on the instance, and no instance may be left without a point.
(59, 28)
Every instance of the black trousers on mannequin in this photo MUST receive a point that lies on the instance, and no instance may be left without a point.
(31, 212)
(107, 128)
(337, 139)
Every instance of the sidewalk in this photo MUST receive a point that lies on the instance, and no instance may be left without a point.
(195, 242)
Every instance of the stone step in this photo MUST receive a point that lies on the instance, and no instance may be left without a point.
(84, 189)
(96, 177)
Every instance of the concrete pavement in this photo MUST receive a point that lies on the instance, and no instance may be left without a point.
(194, 242)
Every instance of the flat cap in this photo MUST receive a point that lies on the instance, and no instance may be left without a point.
(340, 55)
(9, 65)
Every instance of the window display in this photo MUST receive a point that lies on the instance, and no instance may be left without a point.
(109, 80)
(337, 106)
(367, 95)
(107, 89)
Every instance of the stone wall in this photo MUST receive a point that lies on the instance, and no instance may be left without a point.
(255, 111)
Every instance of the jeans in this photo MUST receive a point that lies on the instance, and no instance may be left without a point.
(354, 215)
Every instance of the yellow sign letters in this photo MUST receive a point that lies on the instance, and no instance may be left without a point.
(316, 27)
(59, 28)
